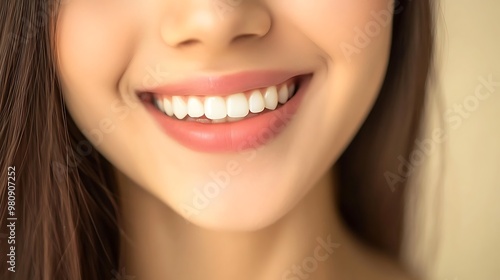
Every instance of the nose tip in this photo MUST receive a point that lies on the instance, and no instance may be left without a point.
(215, 28)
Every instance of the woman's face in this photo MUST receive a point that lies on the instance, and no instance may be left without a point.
(223, 153)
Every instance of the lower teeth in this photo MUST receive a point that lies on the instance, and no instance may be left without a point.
(226, 119)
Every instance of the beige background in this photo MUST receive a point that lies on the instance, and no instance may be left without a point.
(455, 224)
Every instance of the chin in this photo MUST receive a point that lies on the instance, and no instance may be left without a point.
(240, 206)
(236, 221)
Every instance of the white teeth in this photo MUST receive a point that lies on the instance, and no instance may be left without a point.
(271, 98)
(219, 120)
(215, 108)
(159, 104)
(283, 94)
(291, 91)
(256, 102)
(231, 108)
(167, 106)
(195, 107)
(237, 105)
(180, 107)
(233, 119)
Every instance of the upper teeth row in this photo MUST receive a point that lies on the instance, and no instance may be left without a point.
(217, 107)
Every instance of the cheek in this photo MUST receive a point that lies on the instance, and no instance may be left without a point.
(94, 46)
(354, 39)
(90, 44)
(332, 24)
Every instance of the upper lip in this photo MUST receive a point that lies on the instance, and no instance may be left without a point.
(223, 85)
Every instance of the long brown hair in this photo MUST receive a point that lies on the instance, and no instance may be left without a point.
(64, 192)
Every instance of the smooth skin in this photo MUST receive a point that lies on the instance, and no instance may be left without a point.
(265, 210)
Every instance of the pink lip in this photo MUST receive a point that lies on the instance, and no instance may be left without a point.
(223, 85)
(231, 136)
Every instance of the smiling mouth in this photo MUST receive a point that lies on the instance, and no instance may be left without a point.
(227, 113)
(220, 109)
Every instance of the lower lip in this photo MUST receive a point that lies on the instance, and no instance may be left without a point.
(231, 136)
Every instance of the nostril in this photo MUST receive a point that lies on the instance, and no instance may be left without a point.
(243, 37)
(188, 43)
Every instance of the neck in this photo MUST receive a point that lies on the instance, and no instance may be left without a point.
(309, 242)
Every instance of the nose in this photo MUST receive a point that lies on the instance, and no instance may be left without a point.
(215, 24)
